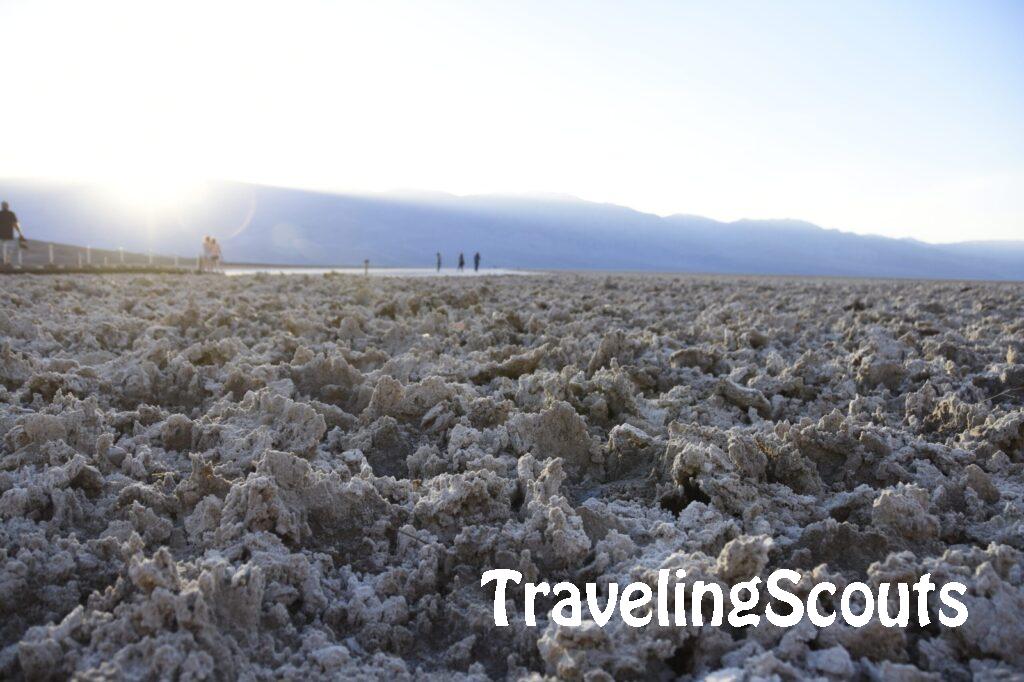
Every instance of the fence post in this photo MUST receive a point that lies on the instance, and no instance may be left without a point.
(88, 255)
(79, 260)
(120, 250)
(51, 253)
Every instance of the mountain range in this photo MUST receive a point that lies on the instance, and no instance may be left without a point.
(262, 224)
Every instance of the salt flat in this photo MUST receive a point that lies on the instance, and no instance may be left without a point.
(269, 477)
(235, 271)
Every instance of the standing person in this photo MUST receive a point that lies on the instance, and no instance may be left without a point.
(9, 225)
(476, 262)
(215, 254)
(207, 258)
(439, 261)
(462, 261)
(366, 267)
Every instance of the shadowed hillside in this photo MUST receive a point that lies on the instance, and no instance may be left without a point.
(287, 226)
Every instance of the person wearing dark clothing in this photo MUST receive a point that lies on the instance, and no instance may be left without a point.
(462, 261)
(439, 261)
(9, 224)
(476, 262)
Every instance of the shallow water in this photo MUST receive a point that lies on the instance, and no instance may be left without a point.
(375, 272)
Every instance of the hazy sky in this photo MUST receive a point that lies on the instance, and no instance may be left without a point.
(897, 118)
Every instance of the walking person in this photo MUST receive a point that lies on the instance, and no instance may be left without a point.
(462, 262)
(476, 262)
(8, 226)
(439, 261)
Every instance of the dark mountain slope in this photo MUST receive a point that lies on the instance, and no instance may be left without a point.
(288, 226)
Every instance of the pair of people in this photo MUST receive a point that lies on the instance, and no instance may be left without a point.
(462, 262)
(211, 253)
(476, 262)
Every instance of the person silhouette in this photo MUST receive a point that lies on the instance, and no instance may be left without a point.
(439, 261)
(476, 262)
(9, 224)
(462, 261)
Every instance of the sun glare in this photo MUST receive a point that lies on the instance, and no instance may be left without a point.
(151, 194)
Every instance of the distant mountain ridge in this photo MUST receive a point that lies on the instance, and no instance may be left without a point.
(299, 227)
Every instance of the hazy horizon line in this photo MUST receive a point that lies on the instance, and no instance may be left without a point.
(542, 195)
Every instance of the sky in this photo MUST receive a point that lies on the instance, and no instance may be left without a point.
(898, 118)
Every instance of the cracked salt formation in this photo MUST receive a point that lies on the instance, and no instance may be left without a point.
(269, 477)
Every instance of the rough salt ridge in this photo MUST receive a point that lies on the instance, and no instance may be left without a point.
(261, 477)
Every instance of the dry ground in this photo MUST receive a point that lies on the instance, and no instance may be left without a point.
(269, 477)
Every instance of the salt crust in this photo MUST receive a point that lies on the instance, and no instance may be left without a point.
(263, 477)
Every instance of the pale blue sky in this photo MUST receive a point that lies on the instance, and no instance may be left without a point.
(900, 118)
